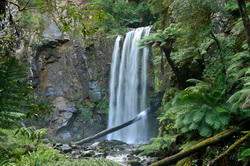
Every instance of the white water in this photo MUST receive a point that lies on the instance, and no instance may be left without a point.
(128, 87)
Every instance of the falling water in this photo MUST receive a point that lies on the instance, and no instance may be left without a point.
(128, 87)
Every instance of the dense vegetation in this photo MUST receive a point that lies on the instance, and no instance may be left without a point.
(205, 44)
(208, 40)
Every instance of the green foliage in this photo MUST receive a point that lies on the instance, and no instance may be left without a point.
(82, 19)
(31, 133)
(221, 97)
(196, 113)
(194, 12)
(43, 156)
(85, 21)
(103, 105)
(239, 73)
(162, 38)
(124, 14)
(162, 9)
(188, 144)
(233, 6)
(244, 152)
(13, 90)
(6, 44)
(157, 6)
(22, 147)
(37, 109)
(160, 145)
(31, 20)
(196, 18)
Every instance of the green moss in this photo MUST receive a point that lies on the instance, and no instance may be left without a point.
(185, 162)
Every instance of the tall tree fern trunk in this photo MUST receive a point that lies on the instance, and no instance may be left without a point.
(245, 19)
(179, 76)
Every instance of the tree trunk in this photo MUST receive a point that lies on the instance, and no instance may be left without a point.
(113, 129)
(217, 138)
(245, 19)
(179, 77)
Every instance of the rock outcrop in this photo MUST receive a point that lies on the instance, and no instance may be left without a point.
(64, 73)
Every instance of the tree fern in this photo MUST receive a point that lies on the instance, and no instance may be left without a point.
(13, 89)
(240, 74)
(161, 38)
(199, 110)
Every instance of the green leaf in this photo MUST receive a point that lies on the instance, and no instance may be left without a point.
(205, 130)
(220, 109)
(245, 153)
(198, 116)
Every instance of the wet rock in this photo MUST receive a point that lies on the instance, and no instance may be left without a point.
(134, 163)
(115, 152)
(113, 143)
(89, 153)
(97, 155)
(65, 148)
(57, 145)
(96, 144)
(73, 146)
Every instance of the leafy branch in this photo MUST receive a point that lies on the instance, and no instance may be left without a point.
(165, 40)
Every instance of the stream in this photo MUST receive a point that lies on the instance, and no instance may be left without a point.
(118, 151)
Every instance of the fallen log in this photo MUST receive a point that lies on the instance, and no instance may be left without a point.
(113, 129)
(212, 140)
(232, 147)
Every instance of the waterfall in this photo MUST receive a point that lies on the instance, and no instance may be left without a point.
(128, 87)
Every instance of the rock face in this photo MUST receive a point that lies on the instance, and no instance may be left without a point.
(62, 112)
(64, 73)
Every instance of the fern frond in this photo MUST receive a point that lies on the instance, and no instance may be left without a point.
(193, 126)
(13, 87)
(198, 116)
(188, 118)
(210, 117)
(204, 129)
(224, 120)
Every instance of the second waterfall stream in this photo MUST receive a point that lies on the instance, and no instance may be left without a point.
(128, 85)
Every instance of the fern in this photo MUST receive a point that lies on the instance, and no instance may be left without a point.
(161, 38)
(159, 145)
(245, 151)
(198, 109)
(205, 130)
(239, 73)
(13, 89)
(31, 133)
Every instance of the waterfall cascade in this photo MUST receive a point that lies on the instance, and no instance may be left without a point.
(128, 87)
